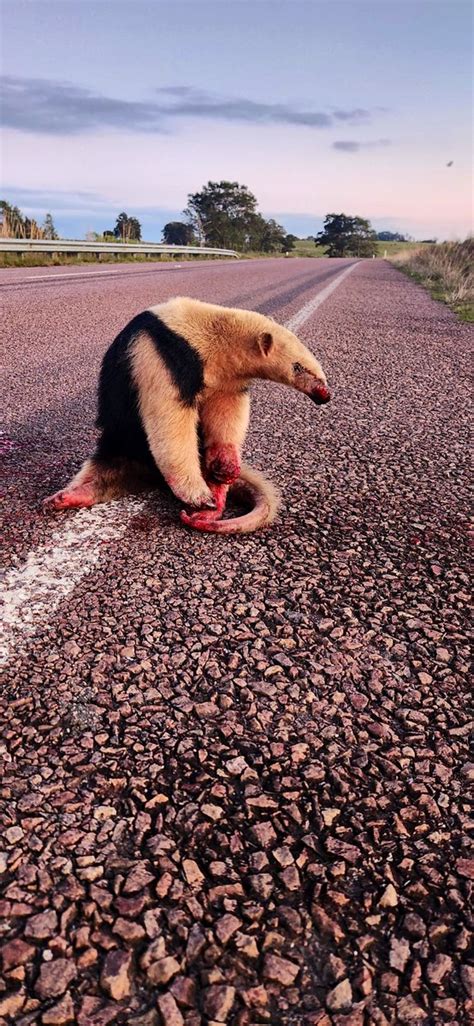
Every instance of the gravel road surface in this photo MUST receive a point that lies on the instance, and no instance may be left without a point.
(235, 784)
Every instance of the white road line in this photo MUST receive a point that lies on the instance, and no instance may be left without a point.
(309, 308)
(32, 592)
(87, 274)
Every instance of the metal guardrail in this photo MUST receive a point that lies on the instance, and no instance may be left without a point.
(82, 246)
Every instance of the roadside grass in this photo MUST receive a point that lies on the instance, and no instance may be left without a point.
(303, 248)
(64, 259)
(393, 248)
(446, 270)
(306, 248)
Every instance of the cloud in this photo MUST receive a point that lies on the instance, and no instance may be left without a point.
(355, 115)
(61, 108)
(60, 199)
(188, 102)
(351, 146)
(79, 202)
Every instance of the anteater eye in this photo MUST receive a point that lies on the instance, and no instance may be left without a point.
(298, 368)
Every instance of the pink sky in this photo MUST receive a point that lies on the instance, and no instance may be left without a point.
(355, 106)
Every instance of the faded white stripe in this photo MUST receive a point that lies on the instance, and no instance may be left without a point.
(89, 274)
(309, 308)
(32, 592)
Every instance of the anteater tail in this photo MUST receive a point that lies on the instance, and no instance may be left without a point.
(253, 489)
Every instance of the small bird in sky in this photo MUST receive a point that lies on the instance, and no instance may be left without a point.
(450, 163)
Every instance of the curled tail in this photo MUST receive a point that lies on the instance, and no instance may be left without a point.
(253, 489)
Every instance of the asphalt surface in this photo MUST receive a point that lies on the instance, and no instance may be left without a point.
(236, 770)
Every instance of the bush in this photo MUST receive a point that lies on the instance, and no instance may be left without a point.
(446, 268)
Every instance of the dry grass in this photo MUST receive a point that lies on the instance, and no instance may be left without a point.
(446, 269)
(64, 259)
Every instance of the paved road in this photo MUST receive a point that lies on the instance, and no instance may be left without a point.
(236, 774)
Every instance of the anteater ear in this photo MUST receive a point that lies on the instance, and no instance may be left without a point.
(265, 342)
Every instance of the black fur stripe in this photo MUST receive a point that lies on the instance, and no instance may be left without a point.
(180, 358)
(122, 433)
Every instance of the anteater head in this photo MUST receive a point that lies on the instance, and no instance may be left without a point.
(281, 357)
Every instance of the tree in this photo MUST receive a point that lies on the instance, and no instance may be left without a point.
(289, 242)
(49, 231)
(273, 239)
(135, 229)
(128, 229)
(222, 214)
(121, 227)
(347, 236)
(178, 233)
(262, 235)
(363, 240)
(225, 214)
(391, 237)
(12, 221)
(33, 230)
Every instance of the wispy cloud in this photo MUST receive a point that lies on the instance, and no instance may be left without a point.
(188, 102)
(60, 199)
(61, 108)
(80, 202)
(352, 146)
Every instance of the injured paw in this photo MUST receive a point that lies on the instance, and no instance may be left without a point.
(200, 517)
(76, 498)
(222, 463)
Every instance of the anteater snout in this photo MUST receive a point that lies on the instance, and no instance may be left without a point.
(320, 394)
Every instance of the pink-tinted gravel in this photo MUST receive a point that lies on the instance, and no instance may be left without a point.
(236, 771)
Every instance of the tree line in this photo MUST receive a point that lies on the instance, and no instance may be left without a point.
(225, 215)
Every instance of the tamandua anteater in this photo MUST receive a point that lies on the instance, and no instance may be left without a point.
(174, 404)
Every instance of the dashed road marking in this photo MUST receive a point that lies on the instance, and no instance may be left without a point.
(33, 591)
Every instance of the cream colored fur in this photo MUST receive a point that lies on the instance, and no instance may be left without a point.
(170, 426)
(235, 346)
(224, 417)
(251, 486)
(230, 342)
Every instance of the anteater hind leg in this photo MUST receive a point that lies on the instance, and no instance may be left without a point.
(81, 491)
(100, 481)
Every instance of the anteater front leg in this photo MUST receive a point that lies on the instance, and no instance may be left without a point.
(224, 423)
(171, 430)
(169, 417)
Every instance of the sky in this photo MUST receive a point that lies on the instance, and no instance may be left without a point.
(318, 106)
